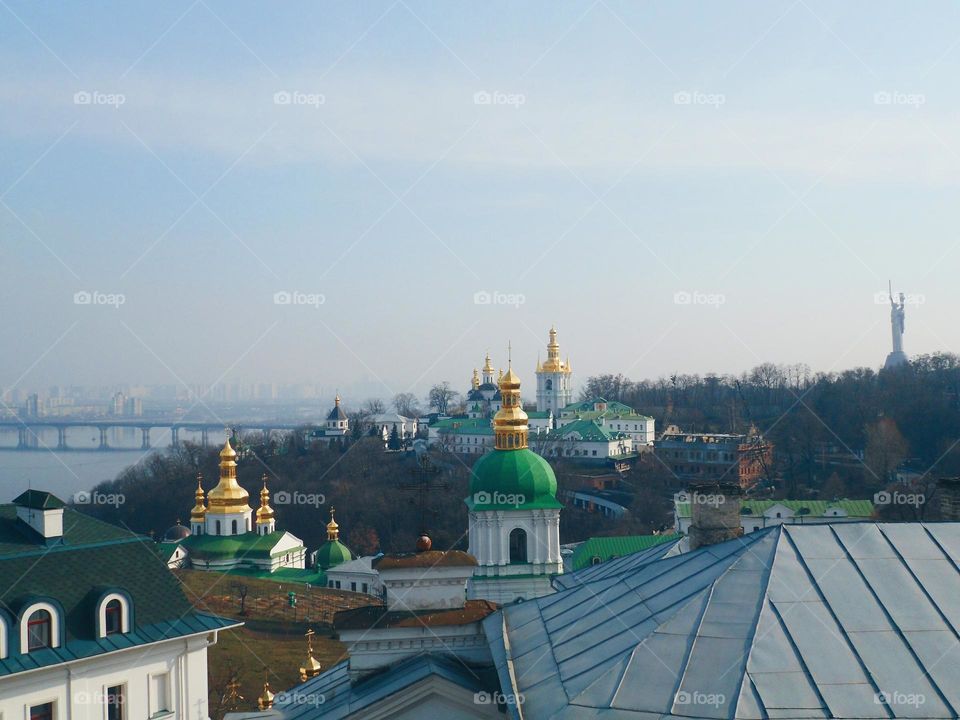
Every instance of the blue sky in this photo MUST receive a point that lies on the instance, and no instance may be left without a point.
(774, 162)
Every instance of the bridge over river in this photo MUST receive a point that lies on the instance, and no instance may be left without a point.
(29, 431)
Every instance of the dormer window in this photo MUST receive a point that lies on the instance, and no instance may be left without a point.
(39, 630)
(113, 615)
(113, 618)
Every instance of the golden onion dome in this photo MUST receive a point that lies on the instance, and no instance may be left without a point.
(265, 701)
(264, 513)
(333, 530)
(199, 510)
(488, 366)
(510, 428)
(228, 496)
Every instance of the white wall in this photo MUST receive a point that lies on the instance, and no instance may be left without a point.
(78, 689)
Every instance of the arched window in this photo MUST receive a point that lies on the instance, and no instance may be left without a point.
(518, 546)
(113, 617)
(549, 384)
(4, 638)
(233, 527)
(39, 630)
(218, 527)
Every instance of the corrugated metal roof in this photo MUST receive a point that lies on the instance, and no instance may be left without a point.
(848, 620)
(815, 508)
(615, 547)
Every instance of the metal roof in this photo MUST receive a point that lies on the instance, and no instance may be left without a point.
(853, 620)
(331, 695)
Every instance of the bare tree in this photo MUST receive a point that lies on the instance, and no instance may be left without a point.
(406, 404)
(374, 406)
(441, 397)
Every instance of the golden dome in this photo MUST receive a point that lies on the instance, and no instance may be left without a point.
(199, 510)
(553, 363)
(228, 496)
(264, 513)
(333, 530)
(475, 381)
(311, 668)
(510, 429)
(265, 701)
(488, 366)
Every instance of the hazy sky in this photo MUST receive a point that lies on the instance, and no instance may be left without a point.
(583, 162)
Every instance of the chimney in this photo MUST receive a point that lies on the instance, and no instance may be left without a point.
(949, 490)
(43, 513)
(714, 513)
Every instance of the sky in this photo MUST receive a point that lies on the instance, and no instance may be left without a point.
(375, 194)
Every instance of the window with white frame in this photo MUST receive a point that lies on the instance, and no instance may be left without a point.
(159, 694)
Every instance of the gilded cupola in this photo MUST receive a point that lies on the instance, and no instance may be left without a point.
(228, 496)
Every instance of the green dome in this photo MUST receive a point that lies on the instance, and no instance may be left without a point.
(333, 552)
(512, 480)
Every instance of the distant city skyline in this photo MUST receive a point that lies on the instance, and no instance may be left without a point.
(374, 196)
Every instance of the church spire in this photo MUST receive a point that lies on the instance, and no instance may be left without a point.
(199, 511)
(333, 530)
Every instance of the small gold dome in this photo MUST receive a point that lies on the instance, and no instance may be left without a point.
(265, 701)
(199, 511)
(311, 668)
(264, 513)
(333, 530)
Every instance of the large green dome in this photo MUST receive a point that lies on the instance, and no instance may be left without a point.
(512, 480)
(333, 552)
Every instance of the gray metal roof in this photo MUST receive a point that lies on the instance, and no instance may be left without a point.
(331, 695)
(854, 620)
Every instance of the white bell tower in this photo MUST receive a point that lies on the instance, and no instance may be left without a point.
(554, 386)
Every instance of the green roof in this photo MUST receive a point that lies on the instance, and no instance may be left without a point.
(333, 552)
(93, 559)
(248, 544)
(309, 576)
(607, 548)
(589, 430)
(166, 549)
(538, 414)
(512, 480)
(817, 508)
(586, 409)
(464, 426)
(78, 530)
(39, 500)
